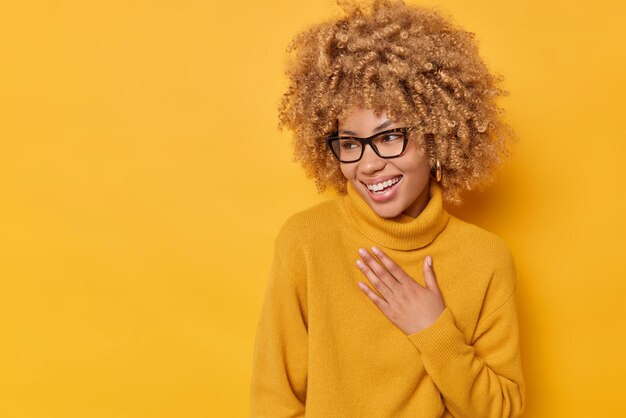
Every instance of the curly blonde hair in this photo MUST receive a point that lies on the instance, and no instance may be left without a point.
(411, 63)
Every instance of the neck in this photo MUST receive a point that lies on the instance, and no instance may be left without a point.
(420, 203)
(404, 232)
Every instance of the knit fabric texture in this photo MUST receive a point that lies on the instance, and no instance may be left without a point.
(322, 346)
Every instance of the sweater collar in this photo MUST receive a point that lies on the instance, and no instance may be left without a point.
(402, 232)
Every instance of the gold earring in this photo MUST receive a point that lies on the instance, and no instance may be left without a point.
(438, 171)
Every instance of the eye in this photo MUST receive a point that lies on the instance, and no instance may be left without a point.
(390, 137)
(349, 144)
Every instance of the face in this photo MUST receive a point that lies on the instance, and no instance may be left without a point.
(410, 194)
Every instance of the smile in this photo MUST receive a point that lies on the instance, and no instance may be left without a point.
(385, 190)
(380, 187)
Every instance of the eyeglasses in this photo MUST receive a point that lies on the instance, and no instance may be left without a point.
(386, 144)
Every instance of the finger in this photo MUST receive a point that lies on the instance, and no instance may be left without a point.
(429, 274)
(396, 271)
(376, 282)
(381, 273)
(378, 301)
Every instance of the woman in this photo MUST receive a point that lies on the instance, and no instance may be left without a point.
(379, 302)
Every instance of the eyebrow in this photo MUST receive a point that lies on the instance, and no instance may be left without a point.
(381, 126)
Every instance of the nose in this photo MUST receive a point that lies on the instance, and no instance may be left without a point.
(370, 162)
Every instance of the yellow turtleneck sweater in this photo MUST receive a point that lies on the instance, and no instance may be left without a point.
(322, 346)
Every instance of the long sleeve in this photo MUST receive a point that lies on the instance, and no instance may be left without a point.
(279, 370)
(482, 377)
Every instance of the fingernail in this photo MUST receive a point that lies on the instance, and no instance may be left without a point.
(376, 251)
(359, 263)
(362, 252)
(429, 260)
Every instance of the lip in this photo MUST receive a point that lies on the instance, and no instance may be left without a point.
(389, 193)
(380, 179)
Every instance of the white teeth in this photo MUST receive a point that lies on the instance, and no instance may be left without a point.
(383, 185)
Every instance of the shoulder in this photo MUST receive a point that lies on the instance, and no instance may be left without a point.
(306, 226)
(489, 251)
(310, 220)
(482, 243)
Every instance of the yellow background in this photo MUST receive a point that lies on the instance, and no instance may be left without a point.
(143, 182)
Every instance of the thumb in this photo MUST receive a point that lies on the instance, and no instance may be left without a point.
(429, 274)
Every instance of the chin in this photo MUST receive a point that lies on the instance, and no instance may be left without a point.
(384, 210)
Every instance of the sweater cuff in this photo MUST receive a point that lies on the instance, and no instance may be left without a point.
(441, 341)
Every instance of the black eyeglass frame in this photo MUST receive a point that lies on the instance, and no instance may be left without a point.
(368, 141)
